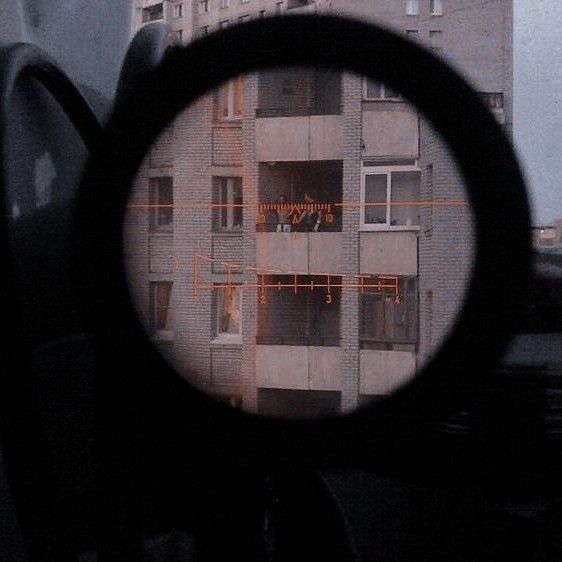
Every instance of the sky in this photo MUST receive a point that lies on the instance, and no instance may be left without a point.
(538, 102)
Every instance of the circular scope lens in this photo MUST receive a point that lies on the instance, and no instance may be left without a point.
(298, 242)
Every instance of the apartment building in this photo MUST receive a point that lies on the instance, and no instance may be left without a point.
(299, 241)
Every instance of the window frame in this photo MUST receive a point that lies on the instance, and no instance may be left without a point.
(412, 7)
(154, 188)
(203, 6)
(160, 334)
(149, 10)
(228, 182)
(412, 323)
(436, 7)
(383, 97)
(232, 92)
(218, 295)
(177, 10)
(388, 171)
(224, 4)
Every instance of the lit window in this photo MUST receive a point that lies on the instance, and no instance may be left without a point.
(228, 307)
(389, 310)
(373, 90)
(204, 6)
(178, 10)
(436, 7)
(160, 309)
(154, 12)
(436, 40)
(412, 7)
(390, 198)
(225, 3)
(231, 99)
(228, 199)
(161, 203)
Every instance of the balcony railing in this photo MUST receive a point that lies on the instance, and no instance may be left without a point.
(299, 111)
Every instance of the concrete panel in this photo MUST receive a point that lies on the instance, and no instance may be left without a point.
(390, 133)
(389, 252)
(282, 138)
(325, 255)
(324, 368)
(280, 366)
(326, 137)
(283, 252)
(382, 372)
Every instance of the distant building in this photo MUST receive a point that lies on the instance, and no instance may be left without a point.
(320, 301)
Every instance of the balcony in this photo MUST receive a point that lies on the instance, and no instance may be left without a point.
(382, 372)
(299, 252)
(298, 367)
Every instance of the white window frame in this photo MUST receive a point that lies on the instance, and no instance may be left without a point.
(383, 96)
(158, 334)
(436, 7)
(230, 105)
(178, 10)
(230, 182)
(412, 7)
(384, 170)
(227, 337)
(155, 188)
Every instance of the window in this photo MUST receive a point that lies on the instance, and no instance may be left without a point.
(262, 14)
(231, 99)
(436, 7)
(412, 34)
(154, 12)
(228, 306)
(436, 40)
(178, 10)
(242, 19)
(244, 1)
(373, 90)
(228, 211)
(390, 197)
(224, 4)
(389, 310)
(278, 7)
(161, 194)
(161, 323)
(223, 24)
(179, 34)
(204, 6)
(412, 7)
(204, 30)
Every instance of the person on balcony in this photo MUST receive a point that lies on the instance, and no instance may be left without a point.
(310, 218)
(283, 214)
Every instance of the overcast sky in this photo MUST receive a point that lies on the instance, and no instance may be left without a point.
(538, 102)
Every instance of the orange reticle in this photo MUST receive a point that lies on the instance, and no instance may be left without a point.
(379, 283)
(300, 207)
